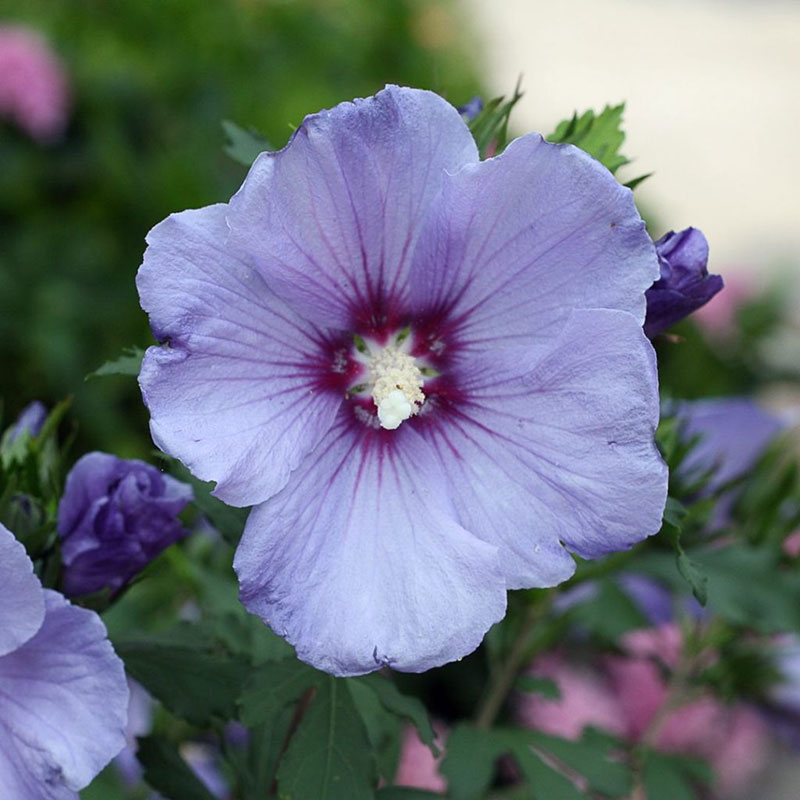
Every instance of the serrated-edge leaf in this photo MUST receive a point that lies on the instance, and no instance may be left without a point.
(273, 686)
(194, 683)
(402, 705)
(329, 756)
(128, 363)
(243, 146)
(588, 757)
(545, 782)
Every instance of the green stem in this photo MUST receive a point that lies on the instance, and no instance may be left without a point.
(505, 678)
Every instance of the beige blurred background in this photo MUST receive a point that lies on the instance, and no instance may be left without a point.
(713, 105)
(713, 109)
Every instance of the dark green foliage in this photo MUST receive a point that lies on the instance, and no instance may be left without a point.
(187, 672)
(167, 772)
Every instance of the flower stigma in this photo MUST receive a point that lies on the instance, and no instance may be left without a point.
(396, 385)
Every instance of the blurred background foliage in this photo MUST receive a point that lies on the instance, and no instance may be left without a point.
(150, 84)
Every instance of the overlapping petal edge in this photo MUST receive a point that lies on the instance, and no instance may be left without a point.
(63, 695)
(521, 280)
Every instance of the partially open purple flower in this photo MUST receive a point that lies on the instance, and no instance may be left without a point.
(684, 285)
(63, 696)
(114, 518)
(428, 370)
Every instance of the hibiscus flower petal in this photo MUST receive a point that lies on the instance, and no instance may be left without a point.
(333, 218)
(63, 705)
(514, 243)
(556, 449)
(234, 396)
(21, 598)
(360, 564)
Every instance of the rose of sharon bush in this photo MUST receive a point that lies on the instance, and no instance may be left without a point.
(115, 517)
(427, 371)
(63, 696)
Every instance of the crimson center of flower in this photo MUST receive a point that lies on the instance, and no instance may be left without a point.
(394, 379)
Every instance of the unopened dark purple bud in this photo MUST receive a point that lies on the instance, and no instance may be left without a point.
(115, 517)
(471, 109)
(684, 285)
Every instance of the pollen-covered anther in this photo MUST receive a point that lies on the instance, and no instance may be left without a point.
(397, 386)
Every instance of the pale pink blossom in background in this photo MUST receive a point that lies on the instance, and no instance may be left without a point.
(34, 92)
(417, 767)
(718, 316)
(627, 696)
(586, 699)
(791, 544)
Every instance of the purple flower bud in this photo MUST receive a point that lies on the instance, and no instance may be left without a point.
(471, 109)
(30, 419)
(115, 517)
(684, 285)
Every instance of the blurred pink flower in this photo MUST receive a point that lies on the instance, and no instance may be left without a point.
(718, 316)
(417, 767)
(791, 544)
(33, 86)
(626, 697)
(586, 699)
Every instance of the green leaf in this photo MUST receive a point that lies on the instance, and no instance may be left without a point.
(589, 757)
(546, 687)
(405, 793)
(243, 146)
(405, 706)
(329, 756)
(634, 182)
(694, 575)
(490, 127)
(609, 612)
(469, 762)
(384, 729)
(129, 363)
(255, 765)
(545, 782)
(671, 777)
(167, 772)
(600, 135)
(746, 586)
(273, 686)
(183, 670)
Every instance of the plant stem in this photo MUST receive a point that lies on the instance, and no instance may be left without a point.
(504, 680)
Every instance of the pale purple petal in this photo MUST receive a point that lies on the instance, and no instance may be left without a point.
(733, 433)
(559, 449)
(235, 395)
(332, 219)
(360, 564)
(21, 598)
(514, 243)
(63, 705)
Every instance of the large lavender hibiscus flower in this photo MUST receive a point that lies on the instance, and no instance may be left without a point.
(428, 371)
(63, 696)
